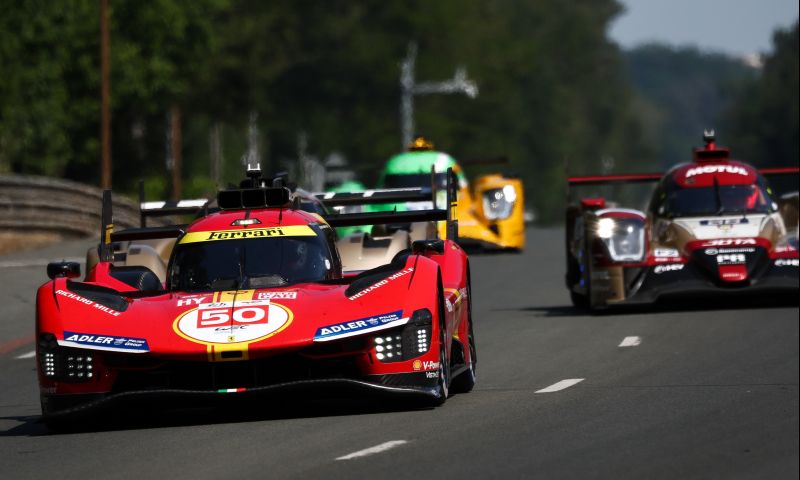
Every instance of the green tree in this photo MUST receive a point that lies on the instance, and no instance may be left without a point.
(765, 119)
(681, 92)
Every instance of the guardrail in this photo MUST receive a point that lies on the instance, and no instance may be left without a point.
(44, 204)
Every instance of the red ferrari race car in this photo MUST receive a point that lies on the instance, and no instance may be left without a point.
(255, 302)
(713, 226)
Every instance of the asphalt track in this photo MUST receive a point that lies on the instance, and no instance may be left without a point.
(704, 391)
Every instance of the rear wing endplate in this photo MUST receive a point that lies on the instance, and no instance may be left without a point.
(108, 236)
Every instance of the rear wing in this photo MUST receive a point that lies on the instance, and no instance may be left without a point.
(397, 195)
(610, 179)
(276, 197)
(377, 196)
(166, 208)
(654, 177)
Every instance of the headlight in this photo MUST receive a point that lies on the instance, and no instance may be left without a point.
(623, 238)
(498, 203)
(64, 364)
(409, 342)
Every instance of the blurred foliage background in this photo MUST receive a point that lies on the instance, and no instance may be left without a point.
(322, 78)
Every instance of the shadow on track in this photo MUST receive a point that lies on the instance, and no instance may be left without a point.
(686, 305)
(151, 414)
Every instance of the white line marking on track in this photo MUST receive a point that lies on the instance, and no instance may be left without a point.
(373, 450)
(26, 355)
(560, 385)
(630, 342)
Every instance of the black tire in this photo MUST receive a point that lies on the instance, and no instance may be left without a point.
(579, 300)
(443, 382)
(466, 380)
(60, 425)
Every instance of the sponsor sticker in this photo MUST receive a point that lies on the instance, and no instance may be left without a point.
(705, 169)
(192, 300)
(362, 325)
(243, 321)
(432, 374)
(730, 258)
(289, 231)
(666, 252)
(276, 295)
(730, 242)
(425, 366)
(787, 262)
(719, 222)
(381, 283)
(88, 302)
(717, 251)
(674, 267)
(104, 342)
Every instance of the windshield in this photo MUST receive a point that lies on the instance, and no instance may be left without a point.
(249, 263)
(716, 200)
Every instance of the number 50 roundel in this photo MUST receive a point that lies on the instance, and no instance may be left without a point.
(228, 322)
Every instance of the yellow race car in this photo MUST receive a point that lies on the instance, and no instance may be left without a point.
(490, 212)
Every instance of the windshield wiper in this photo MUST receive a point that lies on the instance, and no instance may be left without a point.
(718, 197)
(224, 283)
(267, 281)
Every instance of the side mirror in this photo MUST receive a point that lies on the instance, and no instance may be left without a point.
(421, 247)
(63, 269)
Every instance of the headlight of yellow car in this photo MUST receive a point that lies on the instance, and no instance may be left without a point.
(498, 203)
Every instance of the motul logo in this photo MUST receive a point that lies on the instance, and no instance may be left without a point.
(716, 169)
(727, 242)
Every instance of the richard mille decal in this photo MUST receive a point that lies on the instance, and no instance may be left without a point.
(381, 283)
(88, 302)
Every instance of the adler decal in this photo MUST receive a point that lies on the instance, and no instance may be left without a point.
(706, 169)
(360, 326)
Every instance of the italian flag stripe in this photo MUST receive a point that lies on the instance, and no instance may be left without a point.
(231, 390)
